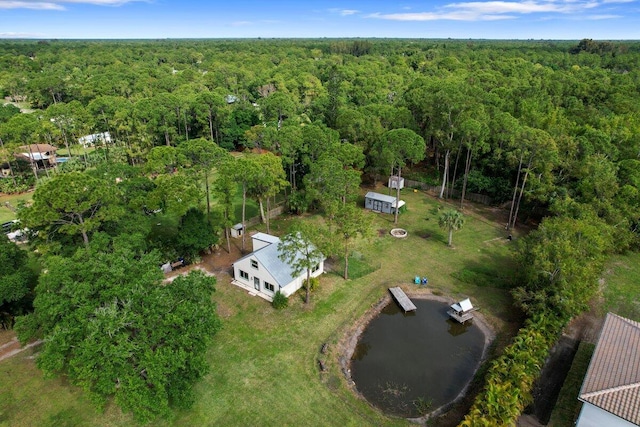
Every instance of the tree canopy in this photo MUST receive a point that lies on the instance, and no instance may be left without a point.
(111, 325)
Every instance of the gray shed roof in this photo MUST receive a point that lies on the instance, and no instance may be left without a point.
(382, 197)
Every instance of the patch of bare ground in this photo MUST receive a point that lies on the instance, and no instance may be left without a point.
(10, 346)
(585, 327)
(446, 416)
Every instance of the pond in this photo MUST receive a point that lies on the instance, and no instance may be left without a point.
(409, 364)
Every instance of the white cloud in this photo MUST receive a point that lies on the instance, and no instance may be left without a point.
(12, 35)
(347, 12)
(497, 10)
(58, 5)
(439, 16)
(29, 5)
(343, 12)
(602, 17)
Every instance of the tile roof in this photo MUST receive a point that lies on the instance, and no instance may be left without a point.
(612, 382)
(37, 148)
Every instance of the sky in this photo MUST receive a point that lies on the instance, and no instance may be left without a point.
(154, 19)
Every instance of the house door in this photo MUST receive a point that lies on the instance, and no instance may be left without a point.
(377, 205)
(256, 283)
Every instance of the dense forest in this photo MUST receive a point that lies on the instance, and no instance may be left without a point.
(548, 130)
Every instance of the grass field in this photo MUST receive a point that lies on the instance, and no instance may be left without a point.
(6, 213)
(264, 363)
(621, 293)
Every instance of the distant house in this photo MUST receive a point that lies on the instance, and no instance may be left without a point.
(95, 138)
(611, 389)
(381, 202)
(396, 182)
(263, 273)
(40, 156)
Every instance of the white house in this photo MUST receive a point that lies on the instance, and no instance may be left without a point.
(611, 389)
(95, 138)
(263, 273)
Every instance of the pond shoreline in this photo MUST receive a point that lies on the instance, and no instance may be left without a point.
(351, 337)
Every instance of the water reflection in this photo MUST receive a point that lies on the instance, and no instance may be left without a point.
(456, 328)
(422, 357)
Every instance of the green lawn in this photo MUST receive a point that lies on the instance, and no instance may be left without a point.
(621, 292)
(264, 363)
(7, 214)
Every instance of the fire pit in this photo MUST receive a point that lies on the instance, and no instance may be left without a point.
(400, 233)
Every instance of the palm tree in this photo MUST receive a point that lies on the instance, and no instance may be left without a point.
(451, 220)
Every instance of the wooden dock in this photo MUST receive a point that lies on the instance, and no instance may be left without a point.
(462, 318)
(402, 299)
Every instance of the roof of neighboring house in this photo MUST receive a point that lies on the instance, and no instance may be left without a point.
(95, 137)
(37, 148)
(612, 382)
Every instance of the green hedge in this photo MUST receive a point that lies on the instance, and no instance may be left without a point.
(510, 378)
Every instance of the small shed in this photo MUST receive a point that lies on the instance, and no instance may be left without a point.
(237, 230)
(381, 202)
(462, 311)
(396, 182)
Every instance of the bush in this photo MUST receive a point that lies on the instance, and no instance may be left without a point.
(315, 283)
(279, 301)
(298, 202)
(22, 184)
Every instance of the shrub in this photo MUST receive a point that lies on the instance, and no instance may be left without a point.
(279, 301)
(510, 378)
(315, 283)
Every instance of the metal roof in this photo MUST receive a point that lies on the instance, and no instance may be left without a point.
(612, 382)
(268, 257)
(382, 197)
(464, 305)
(266, 238)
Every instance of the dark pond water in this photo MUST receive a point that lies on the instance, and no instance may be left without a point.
(409, 364)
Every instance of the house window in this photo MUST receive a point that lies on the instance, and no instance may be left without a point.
(254, 264)
(315, 268)
(268, 286)
(244, 275)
